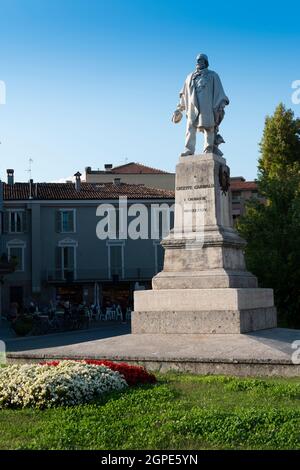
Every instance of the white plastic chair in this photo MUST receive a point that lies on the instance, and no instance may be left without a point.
(108, 314)
(88, 314)
(113, 314)
(100, 314)
(119, 315)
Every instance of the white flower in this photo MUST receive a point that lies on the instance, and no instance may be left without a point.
(68, 383)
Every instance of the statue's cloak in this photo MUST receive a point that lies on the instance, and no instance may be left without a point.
(204, 107)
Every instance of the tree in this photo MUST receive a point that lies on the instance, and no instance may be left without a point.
(272, 226)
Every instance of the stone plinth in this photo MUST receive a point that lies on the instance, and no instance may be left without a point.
(203, 311)
(204, 286)
(203, 250)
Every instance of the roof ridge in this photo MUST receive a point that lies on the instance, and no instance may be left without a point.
(141, 165)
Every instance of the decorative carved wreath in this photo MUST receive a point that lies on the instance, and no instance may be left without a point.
(224, 178)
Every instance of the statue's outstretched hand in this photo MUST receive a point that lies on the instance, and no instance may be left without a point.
(177, 116)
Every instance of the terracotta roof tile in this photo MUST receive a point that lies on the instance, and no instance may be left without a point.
(243, 185)
(67, 191)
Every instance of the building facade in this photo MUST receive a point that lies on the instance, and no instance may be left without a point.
(52, 230)
(132, 173)
(242, 191)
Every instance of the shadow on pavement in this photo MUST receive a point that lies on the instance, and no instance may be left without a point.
(66, 338)
(278, 338)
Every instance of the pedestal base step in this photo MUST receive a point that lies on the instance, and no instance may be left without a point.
(232, 310)
(210, 279)
(203, 322)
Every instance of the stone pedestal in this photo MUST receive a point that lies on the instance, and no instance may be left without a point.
(204, 286)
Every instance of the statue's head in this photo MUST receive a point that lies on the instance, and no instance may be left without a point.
(202, 61)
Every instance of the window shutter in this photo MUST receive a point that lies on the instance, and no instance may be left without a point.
(24, 221)
(58, 221)
(71, 257)
(6, 221)
(58, 258)
(71, 221)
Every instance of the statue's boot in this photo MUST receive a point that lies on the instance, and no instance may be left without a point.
(217, 151)
(186, 153)
(209, 149)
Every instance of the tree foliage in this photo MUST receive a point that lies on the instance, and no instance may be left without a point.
(272, 227)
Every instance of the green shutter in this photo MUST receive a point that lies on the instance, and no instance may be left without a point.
(71, 221)
(58, 258)
(6, 221)
(71, 257)
(24, 221)
(58, 221)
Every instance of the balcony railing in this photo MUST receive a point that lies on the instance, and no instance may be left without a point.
(115, 274)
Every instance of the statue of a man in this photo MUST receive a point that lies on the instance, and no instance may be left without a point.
(203, 100)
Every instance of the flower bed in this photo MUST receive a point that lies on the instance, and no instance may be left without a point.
(134, 375)
(69, 383)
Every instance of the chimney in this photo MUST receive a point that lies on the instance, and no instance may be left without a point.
(117, 181)
(108, 167)
(10, 176)
(30, 188)
(77, 181)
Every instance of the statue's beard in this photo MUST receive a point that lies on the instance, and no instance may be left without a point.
(198, 71)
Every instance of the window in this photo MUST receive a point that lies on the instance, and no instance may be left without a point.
(162, 220)
(66, 260)
(16, 221)
(65, 221)
(116, 259)
(236, 196)
(114, 223)
(15, 250)
(108, 225)
(16, 253)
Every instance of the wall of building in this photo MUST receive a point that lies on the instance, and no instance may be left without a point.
(40, 279)
(162, 181)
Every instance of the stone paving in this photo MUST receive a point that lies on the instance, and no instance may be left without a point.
(69, 339)
(266, 352)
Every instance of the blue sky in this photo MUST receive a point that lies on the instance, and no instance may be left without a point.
(94, 82)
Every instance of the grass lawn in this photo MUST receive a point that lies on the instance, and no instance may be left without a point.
(181, 412)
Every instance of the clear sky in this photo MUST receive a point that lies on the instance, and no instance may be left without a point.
(90, 82)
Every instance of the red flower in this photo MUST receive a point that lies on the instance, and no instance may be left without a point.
(133, 375)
